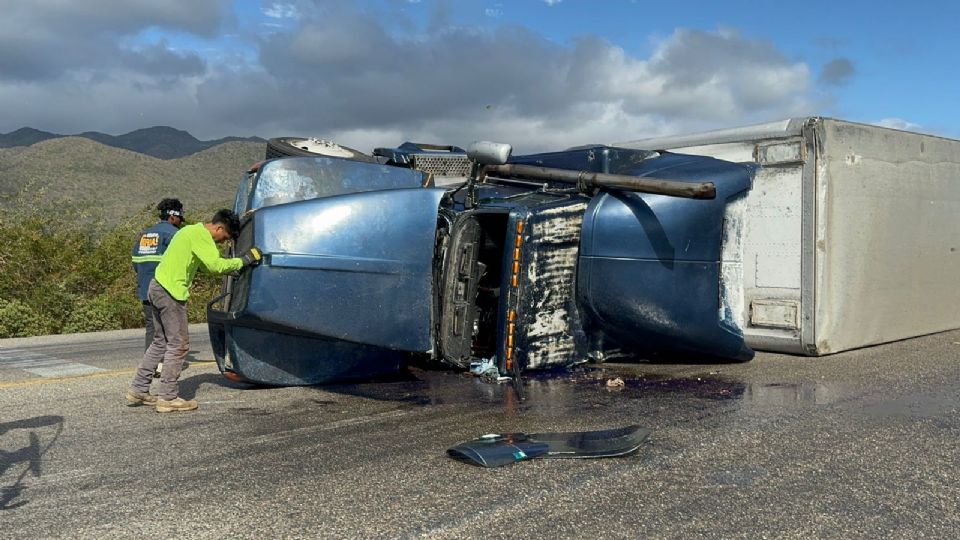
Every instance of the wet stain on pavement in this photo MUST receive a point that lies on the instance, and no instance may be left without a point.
(699, 387)
(924, 406)
(589, 386)
(551, 388)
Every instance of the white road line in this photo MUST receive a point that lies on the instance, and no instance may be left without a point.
(43, 365)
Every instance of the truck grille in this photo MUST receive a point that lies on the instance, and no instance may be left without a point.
(547, 300)
(442, 165)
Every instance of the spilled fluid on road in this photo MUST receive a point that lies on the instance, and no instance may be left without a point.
(575, 386)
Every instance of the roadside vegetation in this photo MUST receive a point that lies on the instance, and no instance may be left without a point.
(70, 209)
(59, 276)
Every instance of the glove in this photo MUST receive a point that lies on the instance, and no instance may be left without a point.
(252, 256)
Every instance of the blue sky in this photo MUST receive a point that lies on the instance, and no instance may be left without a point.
(539, 74)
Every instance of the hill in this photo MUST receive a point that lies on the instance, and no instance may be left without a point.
(102, 185)
(159, 141)
(25, 137)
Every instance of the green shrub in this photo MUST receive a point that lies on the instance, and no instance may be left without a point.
(19, 320)
(53, 302)
(70, 276)
(103, 312)
(205, 288)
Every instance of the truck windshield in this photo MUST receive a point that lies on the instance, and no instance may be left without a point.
(243, 193)
(297, 179)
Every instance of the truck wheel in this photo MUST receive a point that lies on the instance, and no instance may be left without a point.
(312, 147)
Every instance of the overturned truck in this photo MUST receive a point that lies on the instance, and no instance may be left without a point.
(807, 235)
(523, 262)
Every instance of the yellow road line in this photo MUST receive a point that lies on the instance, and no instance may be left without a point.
(99, 374)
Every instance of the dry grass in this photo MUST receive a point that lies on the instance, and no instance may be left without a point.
(103, 185)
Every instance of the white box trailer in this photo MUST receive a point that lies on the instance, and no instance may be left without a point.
(848, 238)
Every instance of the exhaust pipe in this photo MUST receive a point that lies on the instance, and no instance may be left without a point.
(587, 180)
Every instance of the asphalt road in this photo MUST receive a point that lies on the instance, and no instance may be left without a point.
(863, 444)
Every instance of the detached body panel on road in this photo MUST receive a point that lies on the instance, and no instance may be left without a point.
(850, 236)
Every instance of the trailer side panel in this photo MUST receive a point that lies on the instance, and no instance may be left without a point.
(888, 235)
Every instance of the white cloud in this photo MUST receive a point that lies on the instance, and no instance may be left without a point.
(345, 73)
(495, 11)
(49, 41)
(898, 123)
(552, 3)
(282, 11)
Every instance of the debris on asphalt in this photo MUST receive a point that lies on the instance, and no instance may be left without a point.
(615, 383)
(487, 370)
(497, 450)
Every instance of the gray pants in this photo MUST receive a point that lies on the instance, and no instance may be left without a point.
(148, 324)
(171, 343)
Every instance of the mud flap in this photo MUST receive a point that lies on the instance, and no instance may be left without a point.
(497, 450)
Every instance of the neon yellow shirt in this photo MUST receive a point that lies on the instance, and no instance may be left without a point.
(190, 248)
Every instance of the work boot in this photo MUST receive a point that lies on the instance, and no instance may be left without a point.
(140, 398)
(176, 404)
(156, 372)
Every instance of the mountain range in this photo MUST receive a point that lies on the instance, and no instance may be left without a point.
(78, 181)
(161, 142)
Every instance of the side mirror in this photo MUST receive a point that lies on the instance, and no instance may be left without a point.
(489, 153)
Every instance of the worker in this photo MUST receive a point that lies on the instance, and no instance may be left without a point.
(192, 248)
(147, 249)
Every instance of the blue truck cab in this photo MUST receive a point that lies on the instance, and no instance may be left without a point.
(543, 261)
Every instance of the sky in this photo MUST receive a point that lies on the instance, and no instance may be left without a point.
(539, 74)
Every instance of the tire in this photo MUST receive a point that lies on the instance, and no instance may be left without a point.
(311, 147)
